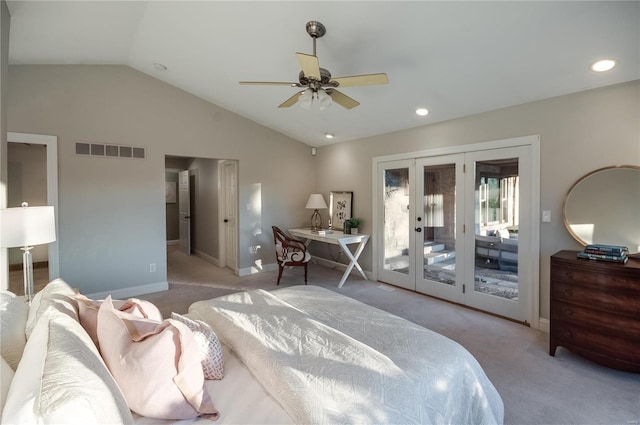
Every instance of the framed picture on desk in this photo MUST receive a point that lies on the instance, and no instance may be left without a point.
(340, 208)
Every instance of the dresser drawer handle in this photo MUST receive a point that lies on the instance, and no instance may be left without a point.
(568, 312)
(569, 274)
(567, 334)
(568, 292)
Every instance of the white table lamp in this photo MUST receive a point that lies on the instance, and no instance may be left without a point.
(24, 227)
(316, 202)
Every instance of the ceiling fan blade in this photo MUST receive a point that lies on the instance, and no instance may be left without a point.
(362, 80)
(268, 83)
(342, 99)
(291, 101)
(310, 65)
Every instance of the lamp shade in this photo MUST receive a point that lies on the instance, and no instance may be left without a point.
(305, 99)
(24, 226)
(316, 201)
(324, 100)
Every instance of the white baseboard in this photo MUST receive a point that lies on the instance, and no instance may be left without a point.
(544, 325)
(247, 271)
(174, 242)
(207, 258)
(133, 291)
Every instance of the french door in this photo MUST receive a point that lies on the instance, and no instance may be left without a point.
(457, 227)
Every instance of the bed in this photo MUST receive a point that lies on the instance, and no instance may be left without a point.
(306, 355)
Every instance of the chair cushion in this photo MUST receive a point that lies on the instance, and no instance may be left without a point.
(292, 255)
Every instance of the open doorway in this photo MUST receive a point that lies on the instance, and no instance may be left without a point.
(197, 201)
(32, 177)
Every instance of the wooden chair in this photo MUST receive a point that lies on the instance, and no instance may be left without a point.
(289, 252)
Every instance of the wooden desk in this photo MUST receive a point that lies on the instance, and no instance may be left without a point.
(337, 238)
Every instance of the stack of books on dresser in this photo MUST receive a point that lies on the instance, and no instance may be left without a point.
(614, 253)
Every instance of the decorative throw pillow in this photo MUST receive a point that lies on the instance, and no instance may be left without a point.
(156, 364)
(63, 379)
(13, 320)
(6, 376)
(212, 359)
(56, 293)
(88, 312)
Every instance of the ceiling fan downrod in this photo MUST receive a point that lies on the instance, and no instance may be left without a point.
(316, 30)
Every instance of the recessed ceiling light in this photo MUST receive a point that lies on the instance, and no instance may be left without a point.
(328, 135)
(159, 67)
(603, 65)
(422, 112)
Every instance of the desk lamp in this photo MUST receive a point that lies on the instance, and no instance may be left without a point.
(315, 202)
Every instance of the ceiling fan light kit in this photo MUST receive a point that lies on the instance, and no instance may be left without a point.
(318, 82)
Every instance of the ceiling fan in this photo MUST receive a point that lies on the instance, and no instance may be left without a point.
(318, 83)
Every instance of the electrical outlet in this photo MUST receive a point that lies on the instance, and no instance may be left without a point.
(152, 267)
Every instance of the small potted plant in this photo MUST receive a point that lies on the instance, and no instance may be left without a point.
(353, 225)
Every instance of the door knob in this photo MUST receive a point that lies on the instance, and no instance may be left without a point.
(226, 220)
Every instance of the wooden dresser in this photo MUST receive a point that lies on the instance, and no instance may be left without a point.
(595, 310)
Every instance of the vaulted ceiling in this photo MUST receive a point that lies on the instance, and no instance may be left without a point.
(454, 58)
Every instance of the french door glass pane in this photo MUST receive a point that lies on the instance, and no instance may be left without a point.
(496, 227)
(439, 229)
(396, 220)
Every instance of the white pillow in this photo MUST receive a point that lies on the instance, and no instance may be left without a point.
(6, 375)
(62, 379)
(13, 318)
(56, 293)
(212, 360)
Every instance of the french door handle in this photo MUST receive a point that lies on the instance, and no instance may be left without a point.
(418, 229)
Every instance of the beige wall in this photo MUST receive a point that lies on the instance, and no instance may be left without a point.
(5, 21)
(112, 211)
(205, 238)
(579, 133)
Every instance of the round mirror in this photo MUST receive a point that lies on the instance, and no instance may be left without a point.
(604, 207)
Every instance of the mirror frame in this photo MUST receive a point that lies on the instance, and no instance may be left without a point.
(580, 180)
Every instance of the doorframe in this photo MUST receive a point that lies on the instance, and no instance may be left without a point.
(532, 141)
(51, 143)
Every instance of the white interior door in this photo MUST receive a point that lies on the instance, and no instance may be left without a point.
(184, 199)
(230, 173)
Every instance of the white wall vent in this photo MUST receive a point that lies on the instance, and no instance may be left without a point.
(109, 151)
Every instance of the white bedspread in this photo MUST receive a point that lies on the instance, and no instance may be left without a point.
(329, 359)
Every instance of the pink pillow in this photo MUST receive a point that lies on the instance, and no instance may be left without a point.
(212, 359)
(156, 364)
(88, 312)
